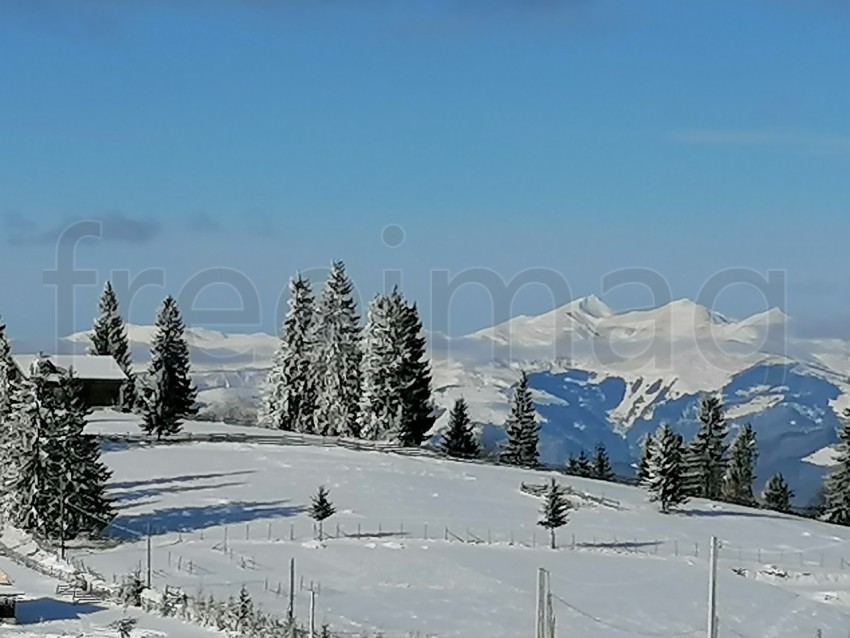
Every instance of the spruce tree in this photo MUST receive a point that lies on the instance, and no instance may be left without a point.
(30, 478)
(777, 495)
(459, 439)
(109, 338)
(381, 409)
(290, 397)
(740, 470)
(337, 357)
(416, 402)
(706, 455)
(83, 475)
(580, 465)
(521, 428)
(837, 483)
(554, 512)
(169, 394)
(601, 466)
(8, 376)
(646, 444)
(321, 508)
(666, 480)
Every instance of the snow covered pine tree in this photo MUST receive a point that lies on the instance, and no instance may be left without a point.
(837, 482)
(646, 443)
(601, 467)
(522, 428)
(395, 402)
(666, 480)
(740, 470)
(109, 338)
(777, 495)
(169, 394)
(459, 439)
(337, 356)
(706, 456)
(554, 512)
(289, 400)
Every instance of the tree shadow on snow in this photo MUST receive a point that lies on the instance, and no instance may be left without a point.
(187, 519)
(31, 612)
(166, 480)
(126, 498)
(730, 514)
(627, 545)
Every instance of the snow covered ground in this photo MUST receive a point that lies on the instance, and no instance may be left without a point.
(44, 614)
(225, 515)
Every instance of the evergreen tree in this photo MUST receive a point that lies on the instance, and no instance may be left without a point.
(381, 408)
(8, 376)
(244, 612)
(601, 467)
(290, 399)
(522, 429)
(31, 488)
(706, 456)
(740, 470)
(395, 402)
(109, 338)
(646, 444)
(837, 483)
(83, 475)
(554, 511)
(169, 395)
(459, 439)
(579, 465)
(777, 495)
(337, 357)
(666, 480)
(416, 403)
(321, 508)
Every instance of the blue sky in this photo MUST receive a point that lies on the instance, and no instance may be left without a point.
(579, 137)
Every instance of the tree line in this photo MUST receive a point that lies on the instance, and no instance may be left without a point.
(332, 377)
(671, 470)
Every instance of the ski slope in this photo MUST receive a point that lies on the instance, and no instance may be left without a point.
(226, 515)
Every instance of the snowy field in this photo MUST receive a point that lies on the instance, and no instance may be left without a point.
(225, 515)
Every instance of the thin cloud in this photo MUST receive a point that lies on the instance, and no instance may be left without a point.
(203, 223)
(113, 227)
(801, 141)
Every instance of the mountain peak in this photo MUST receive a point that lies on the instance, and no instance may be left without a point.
(591, 305)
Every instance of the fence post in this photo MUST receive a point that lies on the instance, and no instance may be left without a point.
(426, 532)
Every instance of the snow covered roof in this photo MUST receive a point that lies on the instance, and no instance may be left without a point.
(86, 366)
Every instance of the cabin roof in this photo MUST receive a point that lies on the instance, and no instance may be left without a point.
(86, 366)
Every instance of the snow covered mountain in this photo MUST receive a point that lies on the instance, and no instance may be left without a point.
(606, 377)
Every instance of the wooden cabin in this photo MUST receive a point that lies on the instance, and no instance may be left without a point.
(102, 378)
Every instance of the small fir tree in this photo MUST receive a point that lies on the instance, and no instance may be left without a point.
(740, 470)
(777, 495)
(290, 396)
(321, 508)
(836, 507)
(459, 439)
(554, 511)
(579, 465)
(109, 338)
(601, 465)
(522, 429)
(666, 480)
(706, 456)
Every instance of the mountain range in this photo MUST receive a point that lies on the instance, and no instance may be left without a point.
(601, 376)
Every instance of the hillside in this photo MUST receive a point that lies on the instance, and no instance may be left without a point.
(227, 514)
(605, 377)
